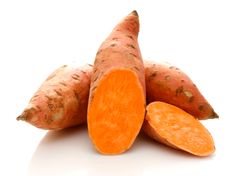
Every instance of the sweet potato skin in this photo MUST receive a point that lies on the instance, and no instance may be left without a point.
(164, 82)
(169, 84)
(62, 99)
(121, 43)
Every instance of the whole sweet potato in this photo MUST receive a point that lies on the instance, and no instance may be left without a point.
(62, 99)
(169, 84)
(116, 105)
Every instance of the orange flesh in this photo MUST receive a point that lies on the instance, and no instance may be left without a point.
(179, 129)
(116, 112)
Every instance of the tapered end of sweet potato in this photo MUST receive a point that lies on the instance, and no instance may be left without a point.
(21, 117)
(215, 115)
(130, 24)
(24, 116)
(211, 114)
(134, 12)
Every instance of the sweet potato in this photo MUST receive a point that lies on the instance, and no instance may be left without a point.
(169, 84)
(178, 129)
(62, 99)
(117, 95)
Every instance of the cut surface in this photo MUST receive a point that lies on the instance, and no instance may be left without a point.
(116, 112)
(177, 128)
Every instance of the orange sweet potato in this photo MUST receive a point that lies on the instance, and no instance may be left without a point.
(169, 84)
(178, 129)
(61, 101)
(116, 106)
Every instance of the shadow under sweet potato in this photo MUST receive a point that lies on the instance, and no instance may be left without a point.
(70, 152)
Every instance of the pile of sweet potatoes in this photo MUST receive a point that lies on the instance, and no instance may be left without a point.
(120, 94)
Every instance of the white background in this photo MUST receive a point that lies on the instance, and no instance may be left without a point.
(38, 36)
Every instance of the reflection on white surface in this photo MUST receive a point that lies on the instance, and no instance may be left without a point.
(70, 152)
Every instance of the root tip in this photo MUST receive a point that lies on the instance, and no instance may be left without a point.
(215, 115)
(20, 117)
(134, 12)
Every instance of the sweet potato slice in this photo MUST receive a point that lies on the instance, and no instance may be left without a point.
(113, 123)
(176, 128)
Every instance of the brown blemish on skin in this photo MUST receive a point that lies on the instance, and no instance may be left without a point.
(179, 90)
(33, 109)
(167, 77)
(50, 77)
(50, 106)
(201, 107)
(136, 68)
(190, 100)
(62, 83)
(95, 70)
(95, 78)
(129, 36)
(98, 52)
(130, 46)
(58, 93)
(182, 80)
(113, 45)
(115, 38)
(133, 54)
(173, 67)
(49, 98)
(93, 88)
(76, 77)
(35, 96)
(152, 75)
